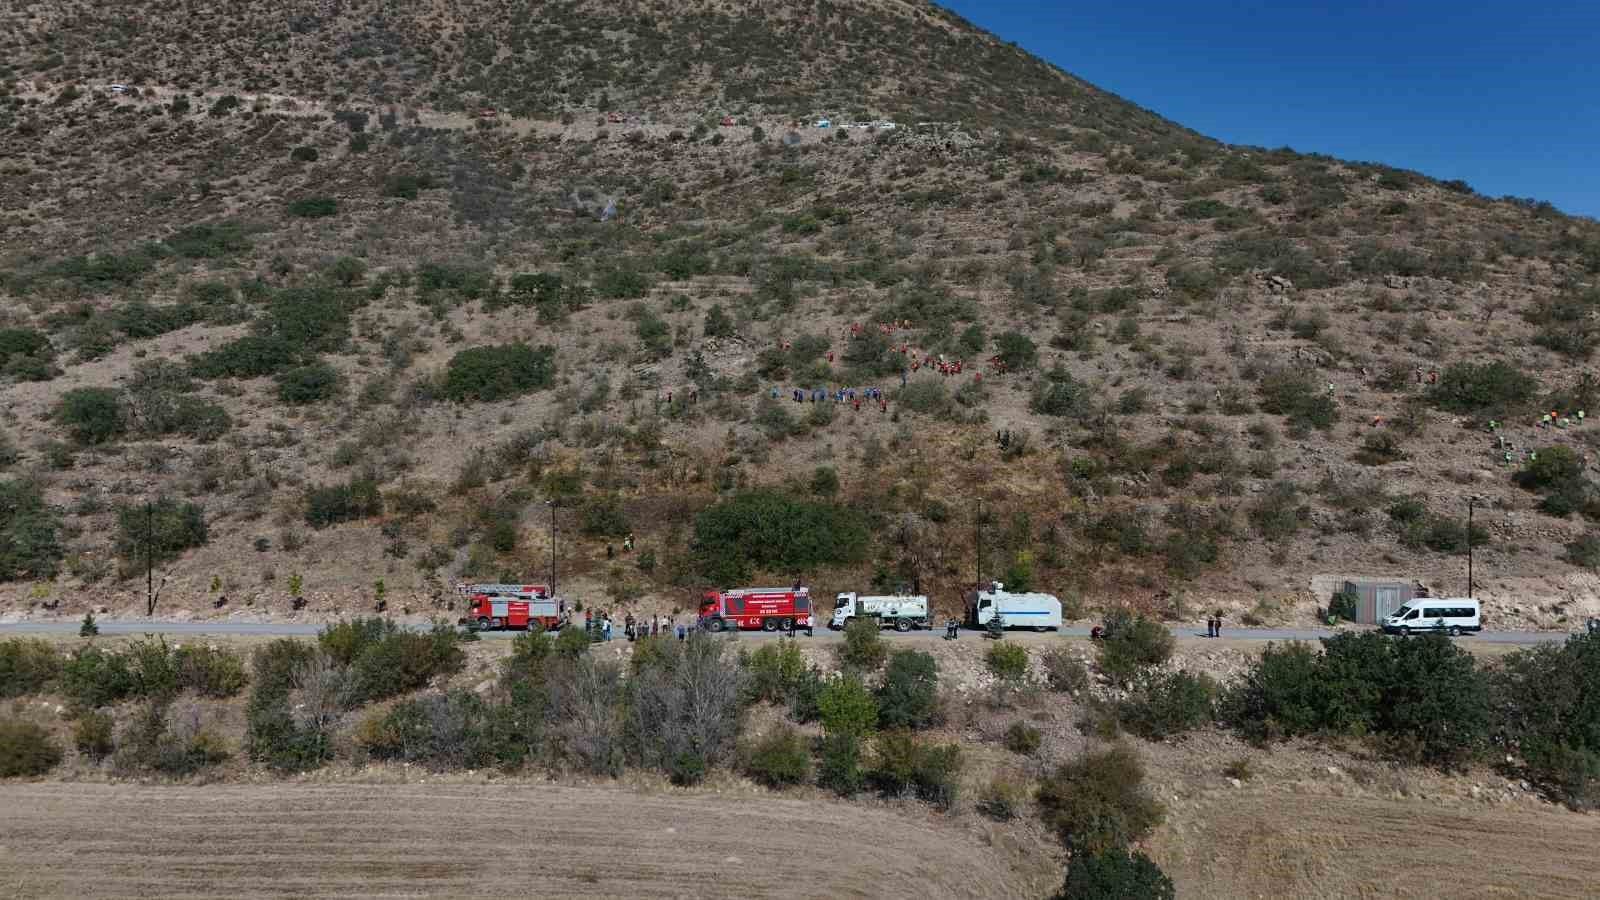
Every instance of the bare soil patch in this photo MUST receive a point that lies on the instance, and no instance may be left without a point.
(96, 840)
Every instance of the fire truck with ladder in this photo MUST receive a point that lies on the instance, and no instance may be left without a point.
(527, 606)
(769, 609)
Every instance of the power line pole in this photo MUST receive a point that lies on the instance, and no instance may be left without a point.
(552, 505)
(149, 560)
(1470, 502)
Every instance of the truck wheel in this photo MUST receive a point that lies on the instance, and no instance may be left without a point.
(718, 625)
(1041, 628)
(902, 625)
(769, 624)
(535, 627)
(495, 623)
(483, 622)
(1454, 631)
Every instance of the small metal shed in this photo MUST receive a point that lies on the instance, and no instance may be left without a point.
(1377, 599)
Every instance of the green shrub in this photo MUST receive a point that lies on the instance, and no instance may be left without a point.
(845, 706)
(1203, 208)
(779, 759)
(91, 415)
(774, 671)
(313, 207)
(1098, 801)
(91, 734)
(908, 697)
(604, 517)
(488, 374)
(209, 241)
(406, 186)
(27, 665)
(1064, 672)
(1556, 467)
(1168, 704)
(1023, 739)
(438, 731)
(1298, 399)
(864, 647)
(839, 769)
(775, 532)
(907, 763)
(93, 677)
(1004, 798)
(1007, 662)
(274, 736)
(26, 354)
(403, 661)
(251, 356)
(210, 671)
(26, 749)
(160, 531)
(29, 546)
(622, 284)
(1132, 645)
(717, 323)
(303, 154)
(1016, 350)
(356, 499)
(308, 384)
(1487, 388)
(1344, 605)
(1115, 873)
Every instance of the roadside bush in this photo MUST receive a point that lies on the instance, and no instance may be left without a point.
(453, 730)
(356, 499)
(1023, 739)
(26, 749)
(274, 735)
(1344, 605)
(27, 665)
(845, 706)
(1168, 705)
(775, 532)
(92, 735)
(907, 763)
(1487, 388)
(773, 672)
(1098, 801)
(488, 374)
(29, 546)
(93, 677)
(1115, 873)
(91, 415)
(162, 530)
(1007, 662)
(908, 697)
(1064, 672)
(779, 759)
(684, 699)
(864, 647)
(210, 671)
(1133, 644)
(308, 384)
(344, 641)
(169, 741)
(403, 661)
(1547, 703)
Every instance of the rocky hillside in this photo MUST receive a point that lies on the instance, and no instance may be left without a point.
(331, 301)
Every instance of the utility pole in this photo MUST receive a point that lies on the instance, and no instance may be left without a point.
(149, 559)
(1470, 502)
(977, 535)
(552, 505)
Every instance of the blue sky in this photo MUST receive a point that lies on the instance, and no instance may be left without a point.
(1503, 95)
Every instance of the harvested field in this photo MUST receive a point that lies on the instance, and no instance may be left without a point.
(1258, 844)
(99, 840)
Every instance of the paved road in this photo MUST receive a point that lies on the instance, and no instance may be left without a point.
(145, 626)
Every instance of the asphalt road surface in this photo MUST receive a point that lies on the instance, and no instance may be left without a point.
(284, 629)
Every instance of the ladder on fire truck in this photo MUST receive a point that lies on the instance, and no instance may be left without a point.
(511, 591)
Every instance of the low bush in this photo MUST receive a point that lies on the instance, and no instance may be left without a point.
(845, 706)
(1023, 739)
(1547, 700)
(839, 768)
(1115, 873)
(93, 677)
(356, 499)
(1007, 662)
(160, 531)
(403, 661)
(488, 374)
(313, 207)
(1496, 388)
(91, 415)
(773, 672)
(907, 763)
(1132, 645)
(308, 384)
(92, 735)
(27, 665)
(1004, 798)
(1064, 672)
(908, 697)
(1168, 704)
(864, 647)
(604, 516)
(26, 749)
(1298, 399)
(29, 544)
(453, 730)
(779, 759)
(1098, 801)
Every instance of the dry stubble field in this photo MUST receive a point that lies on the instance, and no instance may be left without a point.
(99, 840)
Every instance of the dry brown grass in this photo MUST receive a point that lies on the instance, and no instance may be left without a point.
(78, 840)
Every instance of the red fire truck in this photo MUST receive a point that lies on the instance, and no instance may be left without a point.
(527, 606)
(769, 609)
